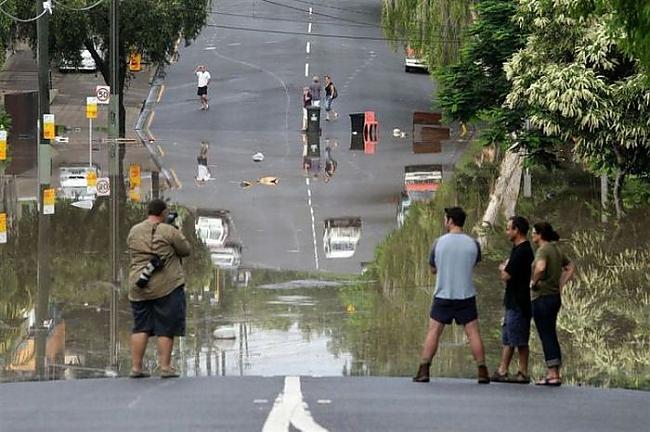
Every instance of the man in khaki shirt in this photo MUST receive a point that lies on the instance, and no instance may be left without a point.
(156, 288)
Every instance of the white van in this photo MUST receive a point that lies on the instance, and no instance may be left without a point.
(341, 236)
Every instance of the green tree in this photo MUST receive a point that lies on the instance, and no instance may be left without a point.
(149, 27)
(635, 17)
(577, 83)
(433, 28)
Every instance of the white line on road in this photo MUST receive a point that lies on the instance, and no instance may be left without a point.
(313, 224)
(234, 44)
(311, 10)
(306, 69)
(210, 48)
(308, 47)
(309, 28)
(290, 409)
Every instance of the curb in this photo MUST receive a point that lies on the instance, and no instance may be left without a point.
(144, 121)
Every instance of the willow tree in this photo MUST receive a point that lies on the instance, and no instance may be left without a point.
(578, 84)
(434, 28)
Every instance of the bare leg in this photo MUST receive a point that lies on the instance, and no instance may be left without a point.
(432, 340)
(138, 347)
(475, 342)
(506, 358)
(523, 359)
(165, 346)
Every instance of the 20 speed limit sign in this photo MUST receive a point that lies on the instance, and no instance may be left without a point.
(103, 94)
(103, 186)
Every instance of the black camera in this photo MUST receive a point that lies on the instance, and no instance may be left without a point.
(154, 264)
(171, 218)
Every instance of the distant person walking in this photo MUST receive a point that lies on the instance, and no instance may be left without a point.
(306, 102)
(330, 94)
(515, 332)
(203, 78)
(453, 258)
(203, 173)
(315, 89)
(156, 288)
(551, 271)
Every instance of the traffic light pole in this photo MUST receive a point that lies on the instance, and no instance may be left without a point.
(44, 178)
(115, 181)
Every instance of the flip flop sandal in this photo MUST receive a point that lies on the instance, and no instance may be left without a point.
(550, 382)
(500, 378)
(169, 373)
(139, 374)
(520, 378)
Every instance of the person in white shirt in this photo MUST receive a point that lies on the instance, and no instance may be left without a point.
(203, 77)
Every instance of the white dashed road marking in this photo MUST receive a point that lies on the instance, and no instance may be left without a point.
(308, 47)
(309, 28)
(306, 69)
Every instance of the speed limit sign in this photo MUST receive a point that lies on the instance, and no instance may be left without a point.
(103, 94)
(103, 186)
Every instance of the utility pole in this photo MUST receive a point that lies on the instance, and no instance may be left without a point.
(115, 181)
(44, 178)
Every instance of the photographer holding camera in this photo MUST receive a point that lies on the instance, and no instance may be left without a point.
(156, 287)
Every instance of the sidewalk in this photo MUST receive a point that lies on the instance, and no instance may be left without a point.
(68, 104)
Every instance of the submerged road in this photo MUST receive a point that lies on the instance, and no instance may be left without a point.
(278, 404)
(260, 55)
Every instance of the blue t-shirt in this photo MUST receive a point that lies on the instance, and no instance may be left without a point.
(454, 256)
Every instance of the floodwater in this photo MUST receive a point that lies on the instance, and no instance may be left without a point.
(246, 321)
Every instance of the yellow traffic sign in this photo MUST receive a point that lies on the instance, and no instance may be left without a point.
(3, 145)
(134, 175)
(48, 126)
(134, 194)
(3, 227)
(49, 198)
(91, 107)
(135, 62)
(91, 179)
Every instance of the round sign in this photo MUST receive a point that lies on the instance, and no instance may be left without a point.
(103, 187)
(103, 94)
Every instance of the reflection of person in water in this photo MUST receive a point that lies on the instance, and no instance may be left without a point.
(330, 163)
(203, 174)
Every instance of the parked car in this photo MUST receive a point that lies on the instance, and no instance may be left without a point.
(414, 61)
(73, 181)
(341, 237)
(420, 185)
(212, 228)
(86, 64)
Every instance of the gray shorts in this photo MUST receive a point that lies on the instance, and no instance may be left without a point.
(515, 331)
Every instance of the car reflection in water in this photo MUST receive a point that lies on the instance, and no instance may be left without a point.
(213, 228)
(420, 185)
(73, 182)
(341, 237)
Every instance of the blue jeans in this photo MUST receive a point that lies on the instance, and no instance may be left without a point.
(545, 310)
(328, 103)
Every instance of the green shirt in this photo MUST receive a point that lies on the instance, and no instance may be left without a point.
(549, 283)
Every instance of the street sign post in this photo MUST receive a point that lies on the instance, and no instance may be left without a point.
(91, 113)
(103, 94)
(103, 186)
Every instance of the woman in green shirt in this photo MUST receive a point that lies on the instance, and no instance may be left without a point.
(551, 271)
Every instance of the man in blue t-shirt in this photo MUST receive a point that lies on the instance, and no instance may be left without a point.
(453, 258)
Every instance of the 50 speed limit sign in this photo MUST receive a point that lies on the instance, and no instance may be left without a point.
(103, 186)
(103, 94)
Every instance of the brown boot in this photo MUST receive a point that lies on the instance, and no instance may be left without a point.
(423, 373)
(483, 375)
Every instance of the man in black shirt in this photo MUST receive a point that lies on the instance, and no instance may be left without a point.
(515, 272)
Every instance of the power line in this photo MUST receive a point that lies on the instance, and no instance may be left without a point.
(28, 20)
(87, 8)
(324, 35)
(333, 7)
(316, 13)
(292, 20)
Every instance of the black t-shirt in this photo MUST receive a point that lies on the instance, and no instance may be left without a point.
(518, 287)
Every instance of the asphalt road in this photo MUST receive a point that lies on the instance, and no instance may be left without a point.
(277, 404)
(255, 105)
